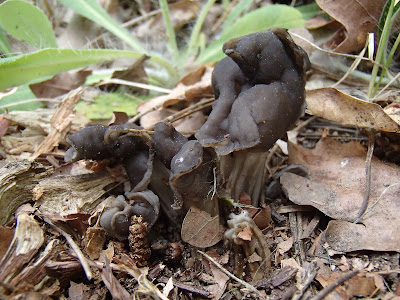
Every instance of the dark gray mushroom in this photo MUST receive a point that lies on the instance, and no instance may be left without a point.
(192, 178)
(255, 106)
(145, 204)
(87, 143)
(117, 218)
(167, 142)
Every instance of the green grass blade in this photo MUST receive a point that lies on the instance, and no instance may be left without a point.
(236, 12)
(24, 68)
(93, 11)
(27, 23)
(173, 45)
(260, 19)
(194, 37)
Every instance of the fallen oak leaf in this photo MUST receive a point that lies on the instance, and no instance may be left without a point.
(200, 229)
(358, 17)
(334, 105)
(336, 186)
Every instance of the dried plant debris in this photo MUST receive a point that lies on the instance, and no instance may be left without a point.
(17, 180)
(61, 196)
(336, 186)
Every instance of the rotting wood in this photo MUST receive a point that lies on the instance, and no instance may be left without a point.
(17, 180)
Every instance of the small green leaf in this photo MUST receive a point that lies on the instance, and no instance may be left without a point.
(260, 19)
(22, 94)
(28, 23)
(105, 104)
(24, 68)
(92, 10)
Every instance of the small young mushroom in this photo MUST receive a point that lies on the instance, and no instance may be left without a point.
(117, 219)
(243, 232)
(254, 106)
(145, 204)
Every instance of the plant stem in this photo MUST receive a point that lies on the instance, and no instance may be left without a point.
(170, 29)
(192, 47)
(381, 50)
(388, 60)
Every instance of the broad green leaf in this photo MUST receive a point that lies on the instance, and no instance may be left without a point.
(105, 104)
(260, 19)
(22, 94)
(24, 68)
(4, 46)
(92, 10)
(27, 23)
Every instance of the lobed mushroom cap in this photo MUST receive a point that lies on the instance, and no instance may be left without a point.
(263, 97)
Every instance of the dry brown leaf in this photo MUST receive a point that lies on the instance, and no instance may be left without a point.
(263, 218)
(334, 105)
(221, 279)
(285, 246)
(60, 84)
(358, 17)
(94, 241)
(393, 111)
(336, 186)
(245, 234)
(200, 229)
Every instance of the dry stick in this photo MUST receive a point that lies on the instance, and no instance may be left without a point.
(83, 260)
(189, 110)
(244, 283)
(310, 278)
(330, 287)
(364, 205)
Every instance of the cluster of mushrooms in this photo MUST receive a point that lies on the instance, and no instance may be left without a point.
(259, 95)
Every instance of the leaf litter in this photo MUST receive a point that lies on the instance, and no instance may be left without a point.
(310, 251)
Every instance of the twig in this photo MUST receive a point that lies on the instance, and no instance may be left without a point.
(135, 84)
(189, 110)
(330, 287)
(84, 262)
(244, 283)
(310, 278)
(364, 205)
(186, 287)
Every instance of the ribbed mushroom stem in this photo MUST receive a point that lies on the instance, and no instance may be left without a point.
(243, 171)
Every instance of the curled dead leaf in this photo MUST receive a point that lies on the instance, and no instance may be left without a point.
(200, 229)
(358, 17)
(334, 105)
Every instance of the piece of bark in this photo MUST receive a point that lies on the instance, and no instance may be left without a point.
(28, 238)
(17, 180)
(66, 195)
(60, 122)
